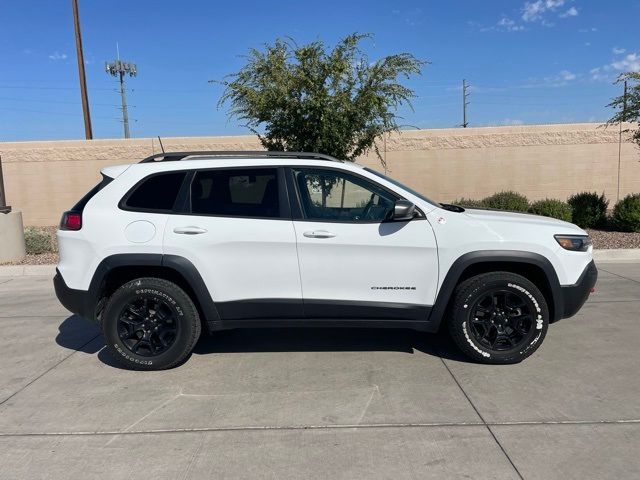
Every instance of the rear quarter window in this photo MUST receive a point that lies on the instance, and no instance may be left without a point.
(156, 193)
(79, 207)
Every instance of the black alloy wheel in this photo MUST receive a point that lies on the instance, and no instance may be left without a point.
(498, 317)
(147, 326)
(502, 319)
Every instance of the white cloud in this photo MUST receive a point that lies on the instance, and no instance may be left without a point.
(609, 72)
(55, 56)
(565, 77)
(572, 12)
(630, 63)
(533, 11)
(618, 51)
(505, 23)
(511, 121)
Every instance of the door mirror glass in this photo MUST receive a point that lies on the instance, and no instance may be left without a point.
(403, 210)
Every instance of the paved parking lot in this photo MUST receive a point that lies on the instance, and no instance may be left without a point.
(331, 403)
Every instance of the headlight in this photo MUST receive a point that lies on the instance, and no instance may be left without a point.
(575, 243)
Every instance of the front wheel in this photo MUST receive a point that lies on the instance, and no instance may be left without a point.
(150, 324)
(498, 318)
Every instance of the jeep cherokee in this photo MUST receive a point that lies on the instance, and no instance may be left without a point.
(183, 242)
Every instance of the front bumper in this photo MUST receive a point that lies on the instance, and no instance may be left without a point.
(574, 296)
(79, 302)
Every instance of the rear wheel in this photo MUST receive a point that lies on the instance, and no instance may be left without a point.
(498, 317)
(150, 324)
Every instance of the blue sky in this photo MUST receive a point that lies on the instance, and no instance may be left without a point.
(528, 62)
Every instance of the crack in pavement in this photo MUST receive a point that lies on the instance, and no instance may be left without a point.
(48, 370)
(619, 276)
(481, 417)
(258, 428)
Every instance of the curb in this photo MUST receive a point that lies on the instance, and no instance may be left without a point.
(610, 255)
(27, 270)
(617, 255)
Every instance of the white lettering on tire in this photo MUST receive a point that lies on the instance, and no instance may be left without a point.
(473, 345)
(535, 302)
(130, 358)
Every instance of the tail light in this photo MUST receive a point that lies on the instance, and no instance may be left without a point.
(71, 221)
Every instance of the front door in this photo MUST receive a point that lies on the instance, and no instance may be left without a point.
(355, 262)
(237, 231)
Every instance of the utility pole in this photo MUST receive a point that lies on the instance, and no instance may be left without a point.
(3, 200)
(83, 81)
(118, 68)
(465, 95)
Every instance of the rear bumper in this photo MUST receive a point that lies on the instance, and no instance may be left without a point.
(574, 296)
(76, 301)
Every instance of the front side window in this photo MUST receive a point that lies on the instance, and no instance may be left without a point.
(156, 193)
(251, 192)
(339, 196)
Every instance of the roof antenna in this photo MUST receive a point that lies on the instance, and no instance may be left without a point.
(161, 144)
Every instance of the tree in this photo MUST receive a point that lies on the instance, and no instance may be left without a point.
(305, 98)
(627, 107)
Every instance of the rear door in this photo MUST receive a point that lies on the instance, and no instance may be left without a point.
(354, 262)
(236, 228)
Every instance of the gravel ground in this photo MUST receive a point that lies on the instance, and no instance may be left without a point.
(602, 239)
(605, 239)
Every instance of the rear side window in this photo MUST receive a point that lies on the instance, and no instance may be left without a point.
(251, 192)
(157, 193)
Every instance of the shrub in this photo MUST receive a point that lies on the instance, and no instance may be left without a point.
(467, 202)
(550, 207)
(37, 241)
(626, 214)
(589, 209)
(507, 201)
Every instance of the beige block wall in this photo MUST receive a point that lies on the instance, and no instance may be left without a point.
(42, 179)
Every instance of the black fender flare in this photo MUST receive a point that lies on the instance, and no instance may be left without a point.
(179, 264)
(467, 260)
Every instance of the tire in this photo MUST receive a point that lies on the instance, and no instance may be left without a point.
(498, 318)
(150, 324)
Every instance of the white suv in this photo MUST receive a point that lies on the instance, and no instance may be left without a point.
(182, 242)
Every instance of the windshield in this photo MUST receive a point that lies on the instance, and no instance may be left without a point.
(404, 187)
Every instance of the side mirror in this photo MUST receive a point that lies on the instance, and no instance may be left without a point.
(403, 210)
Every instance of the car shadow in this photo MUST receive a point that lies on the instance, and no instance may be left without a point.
(76, 334)
(327, 340)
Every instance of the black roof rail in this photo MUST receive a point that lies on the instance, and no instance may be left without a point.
(176, 156)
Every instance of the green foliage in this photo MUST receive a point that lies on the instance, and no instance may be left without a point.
(550, 207)
(467, 202)
(306, 98)
(589, 209)
(507, 201)
(37, 241)
(626, 214)
(627, 109)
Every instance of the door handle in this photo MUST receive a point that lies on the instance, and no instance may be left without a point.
(189, 230)
(319, 234)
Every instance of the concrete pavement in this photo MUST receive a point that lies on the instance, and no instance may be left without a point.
(333, 403)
